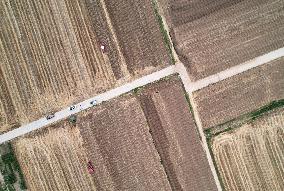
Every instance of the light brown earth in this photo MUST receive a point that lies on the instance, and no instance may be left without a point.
(54, 159)
(252, 156)
(240, 94)
(184, 11)
(211, 36)
(117, 138)
(144, 141)
(51, 57)
(139, 34)
(175, 136)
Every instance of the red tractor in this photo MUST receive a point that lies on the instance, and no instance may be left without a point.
(91, 168)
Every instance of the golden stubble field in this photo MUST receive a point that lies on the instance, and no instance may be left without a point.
(252, 157)
(51, 54)
(144, 140)
(54, 159)
(212, 36)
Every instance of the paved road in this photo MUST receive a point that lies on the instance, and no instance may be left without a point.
(189, 87)
(236, 70)
(86, 104)
(193, 86)
(179, 68)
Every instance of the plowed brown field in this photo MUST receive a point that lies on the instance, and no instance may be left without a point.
(139, 34)
(54, 160)
(240, 94)
(252, 156)
(211, 36)
(143, 141)
(175, 136)
(51, 56)
(120, 146)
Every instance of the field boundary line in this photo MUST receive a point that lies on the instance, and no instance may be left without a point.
(180, 68)
(235, 70)
(42, 122)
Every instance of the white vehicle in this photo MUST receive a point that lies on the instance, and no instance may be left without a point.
(94, 102)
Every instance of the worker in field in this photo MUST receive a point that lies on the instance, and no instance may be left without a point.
(91, 168)
(102, 47)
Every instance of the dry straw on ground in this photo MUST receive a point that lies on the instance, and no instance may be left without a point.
(252, 156)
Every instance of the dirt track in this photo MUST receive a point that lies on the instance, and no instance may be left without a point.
(251, 157)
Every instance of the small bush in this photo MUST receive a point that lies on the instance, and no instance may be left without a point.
(10, 178)
(72, 119)
(10, 187)
(8, 158)
(22, 185)
(269, 107)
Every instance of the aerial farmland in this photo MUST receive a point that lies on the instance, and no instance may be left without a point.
(251, 156)
(56, 53)
(121, 148)
(54, 159)
(211, 36)
(175, 135)
(138, 95)
(240, 94)
(144, 140)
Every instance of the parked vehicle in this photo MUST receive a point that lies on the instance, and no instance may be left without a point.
(94, 102)
(50, 116)
(72, 107)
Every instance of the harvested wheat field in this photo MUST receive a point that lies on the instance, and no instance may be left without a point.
(54, 159)
(183, 11)
(51, 54)
(139, 33)
(176, 137)
(211, 36)
(240, 94)
(251, 157)
(119, 145)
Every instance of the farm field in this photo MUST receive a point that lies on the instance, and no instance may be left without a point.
(183, 11)
(139, 34)
(175, 136)
(240, 94)
(120, 146)
(251, 156)
(54, 159)
(144, 140)
(52, 57)
(211, 36)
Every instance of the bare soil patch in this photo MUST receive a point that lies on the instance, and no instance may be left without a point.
(211, 36)
(117, 138)
(175, 136)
